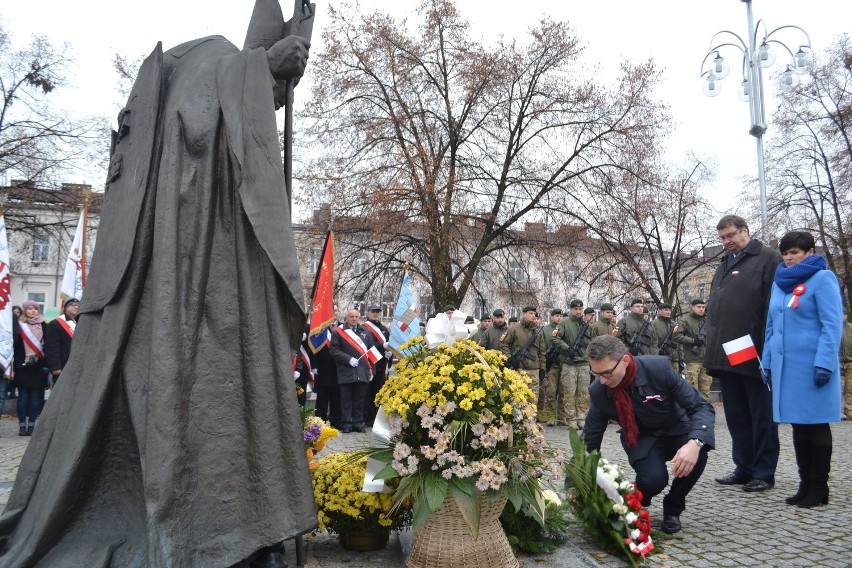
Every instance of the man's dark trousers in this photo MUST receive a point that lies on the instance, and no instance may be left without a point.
(754, 434)
(652, 475)
(352, 397)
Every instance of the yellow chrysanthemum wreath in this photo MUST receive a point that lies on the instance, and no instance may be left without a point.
(462, 423)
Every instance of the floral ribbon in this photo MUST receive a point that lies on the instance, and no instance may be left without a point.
(441, 329)
(797, 291)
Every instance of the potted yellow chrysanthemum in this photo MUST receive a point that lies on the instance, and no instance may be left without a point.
(362, 520)
(463, 440)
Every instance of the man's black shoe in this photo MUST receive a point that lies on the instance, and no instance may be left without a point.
(757, 485)
(732, 479)
(360, 430)
(269, 557)
(671, 524)
(347, 430)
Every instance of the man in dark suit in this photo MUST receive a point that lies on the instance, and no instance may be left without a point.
(349, 345)
(738, 303)
(663, 418)
(57, 339)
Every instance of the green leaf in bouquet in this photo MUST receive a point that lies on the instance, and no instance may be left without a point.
(387, 472)
(435, 490)
(470, 508)
(420, 513)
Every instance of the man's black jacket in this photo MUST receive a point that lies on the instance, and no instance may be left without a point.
(664, 404)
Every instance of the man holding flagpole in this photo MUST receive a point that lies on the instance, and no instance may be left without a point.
(736, 318)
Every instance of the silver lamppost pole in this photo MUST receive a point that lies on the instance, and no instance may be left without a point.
(755, 57)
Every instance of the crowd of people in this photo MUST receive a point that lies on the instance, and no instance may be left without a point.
(653, 375)
(41, 350)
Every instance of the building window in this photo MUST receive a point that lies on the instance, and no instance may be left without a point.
(516, 271)
(388, 306)
(479, 310)
(315, 260)
(424, 308)
(360, 265)
(41, 248)
(547, 278)
(360, 303)
(572, 272)
(38, 298)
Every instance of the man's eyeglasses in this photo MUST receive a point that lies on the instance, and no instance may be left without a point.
(608, 373)
(730, 235)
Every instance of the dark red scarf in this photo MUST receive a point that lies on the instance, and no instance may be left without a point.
(624, 406)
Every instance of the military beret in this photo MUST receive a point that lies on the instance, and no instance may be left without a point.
(664, 306)
(374, 308)
(468, 319)
(498, 313)
(697, 301)
(485, 317)
(513, 319)
(449, 307)
(528, 309)
(589, 311)
(609, 307)
(635, 301)
(576, 304)
(556, 312)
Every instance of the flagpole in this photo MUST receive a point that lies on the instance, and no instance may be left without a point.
(86, 193)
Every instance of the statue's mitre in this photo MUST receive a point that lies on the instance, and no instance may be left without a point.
(266, 26)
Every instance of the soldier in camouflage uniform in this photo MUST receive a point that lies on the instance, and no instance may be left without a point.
(605, 323)
(484, 324)
(687, 335)
(491, 338)
(629, 327)
(572, 394)
(663, 324)
(517, 337)
(553, 369)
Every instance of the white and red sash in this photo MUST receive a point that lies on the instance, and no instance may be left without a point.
(354, 341)
(66, 325)
(303, 354)
(31, 341)
(376, 331)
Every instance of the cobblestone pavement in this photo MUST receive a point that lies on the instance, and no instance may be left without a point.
(723, 526)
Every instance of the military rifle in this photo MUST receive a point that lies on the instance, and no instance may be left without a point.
(666, 344)
(551, 358)
(521, 354)
(636, 341)
(575, 348)
(699, 338)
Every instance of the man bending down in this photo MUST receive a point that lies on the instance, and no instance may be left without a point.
(662, 418)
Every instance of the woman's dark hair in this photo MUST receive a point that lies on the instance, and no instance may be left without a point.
(801, 240)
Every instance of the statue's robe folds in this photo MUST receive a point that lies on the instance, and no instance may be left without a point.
(173, 438)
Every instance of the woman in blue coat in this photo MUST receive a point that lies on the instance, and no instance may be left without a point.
(803, 331)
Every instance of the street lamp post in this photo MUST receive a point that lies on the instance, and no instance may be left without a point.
(754, 59)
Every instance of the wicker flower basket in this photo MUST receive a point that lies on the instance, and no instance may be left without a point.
(445, 540)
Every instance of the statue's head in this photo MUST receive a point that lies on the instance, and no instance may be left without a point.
(267, 25)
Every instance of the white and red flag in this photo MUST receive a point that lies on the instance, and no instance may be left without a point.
(6, 345)
(373, 354)
(73, 280)
(740, 350)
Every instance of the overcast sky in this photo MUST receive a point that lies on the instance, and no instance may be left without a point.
(675, 33)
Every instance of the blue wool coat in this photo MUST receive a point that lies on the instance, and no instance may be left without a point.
(799, 339)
